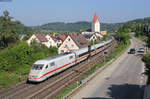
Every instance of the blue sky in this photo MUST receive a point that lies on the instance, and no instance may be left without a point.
(37, 12)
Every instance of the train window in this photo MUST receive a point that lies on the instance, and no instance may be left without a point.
(70, 57)
(46, 66)
(37, 66)
(52, 64)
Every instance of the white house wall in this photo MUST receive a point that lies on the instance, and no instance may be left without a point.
(50, 42)
(93, 38)
(67, 46)
(31, 39)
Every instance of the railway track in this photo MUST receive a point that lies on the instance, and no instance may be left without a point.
(52, 86)
(51, 90)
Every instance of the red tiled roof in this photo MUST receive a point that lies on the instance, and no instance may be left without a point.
(62, 36)
(95, 18)
(41, 37)
(79, 39)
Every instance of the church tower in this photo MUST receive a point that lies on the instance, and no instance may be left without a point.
(95, 24)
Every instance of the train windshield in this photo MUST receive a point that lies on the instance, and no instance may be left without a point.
(37, 66)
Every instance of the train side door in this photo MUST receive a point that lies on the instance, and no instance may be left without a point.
(72, 59)
(52, 67)
(89, 50)
(75, 57)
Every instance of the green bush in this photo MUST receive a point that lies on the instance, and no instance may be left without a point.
(22, 56)
(13, 58)
(146, 60)
(16, 62)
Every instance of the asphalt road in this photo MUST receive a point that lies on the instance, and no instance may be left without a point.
(123, 79)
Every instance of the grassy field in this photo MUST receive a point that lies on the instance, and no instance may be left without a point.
(120, 49)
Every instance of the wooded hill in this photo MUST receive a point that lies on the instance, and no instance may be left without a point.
(74, 27)
(83, 25)
(145, 20)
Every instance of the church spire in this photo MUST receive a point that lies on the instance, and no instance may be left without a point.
(95, 24)
(95, 18)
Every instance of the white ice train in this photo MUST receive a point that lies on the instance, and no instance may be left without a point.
(44, 68)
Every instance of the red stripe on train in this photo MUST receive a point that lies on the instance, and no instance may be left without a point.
(62, 66)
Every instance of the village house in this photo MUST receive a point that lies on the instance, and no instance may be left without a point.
(21, 36)
(74, 41)
(61, 38)
(93, 37)
(45, 39)
(69, 42)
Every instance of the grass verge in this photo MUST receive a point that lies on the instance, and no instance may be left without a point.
(9, 79)
(142, 38)
(118, 51)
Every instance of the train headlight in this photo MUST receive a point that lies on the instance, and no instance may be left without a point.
(32, 76)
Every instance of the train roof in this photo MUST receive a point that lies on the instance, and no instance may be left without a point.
(80, 51)
(83, 50)
(53, 57)
(45, 60)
